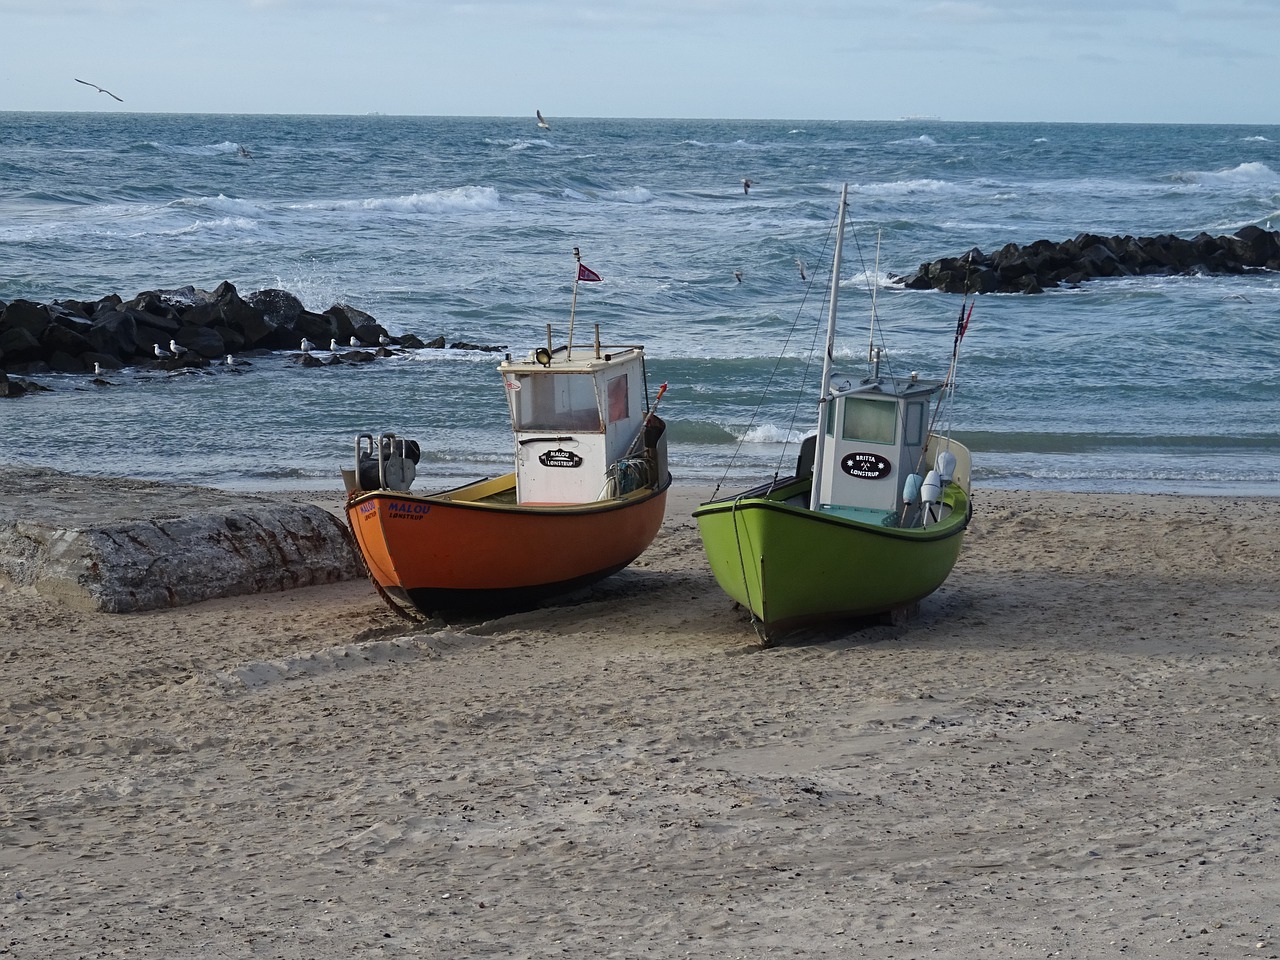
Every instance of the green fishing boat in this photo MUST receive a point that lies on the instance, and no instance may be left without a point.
(874, 517)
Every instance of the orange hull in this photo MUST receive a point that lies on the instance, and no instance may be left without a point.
(467, 548)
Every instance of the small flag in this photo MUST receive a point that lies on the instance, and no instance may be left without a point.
(587, 275)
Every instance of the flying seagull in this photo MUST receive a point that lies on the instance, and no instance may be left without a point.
(746, 185)
(542, 124)
(98, 88)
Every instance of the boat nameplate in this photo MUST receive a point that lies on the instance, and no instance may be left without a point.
(866, 466)
(560, 458)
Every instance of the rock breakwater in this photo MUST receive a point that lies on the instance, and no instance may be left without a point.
(1046, 264)
(173, 329)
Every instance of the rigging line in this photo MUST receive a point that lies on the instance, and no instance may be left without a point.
(755, 413)
(800, 395)
(873, 285)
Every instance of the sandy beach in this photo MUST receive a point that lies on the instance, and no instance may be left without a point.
(1072, 751)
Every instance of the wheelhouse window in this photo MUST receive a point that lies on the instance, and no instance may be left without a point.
(616, 391)
(913, 429)
(548, 401)
(870, 421)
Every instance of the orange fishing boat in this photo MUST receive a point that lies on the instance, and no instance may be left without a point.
(586, 498)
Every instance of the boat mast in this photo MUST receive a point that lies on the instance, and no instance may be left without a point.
(573, 305)
(825, 399)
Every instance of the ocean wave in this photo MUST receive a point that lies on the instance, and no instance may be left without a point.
(1247, 173)
(204, 150)
(1072, 444)
(519, 143)
(221, 204)
(903, 187)
(468, 199)
(625, 195)
(698, 432)
(768, 433)
(219, 225)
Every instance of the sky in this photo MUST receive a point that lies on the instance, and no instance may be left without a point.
(1143, 61)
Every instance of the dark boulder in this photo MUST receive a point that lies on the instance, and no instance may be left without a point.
(19, 345)
(348, 319)
(203, 341)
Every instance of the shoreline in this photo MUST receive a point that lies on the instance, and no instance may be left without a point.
(1071, 749)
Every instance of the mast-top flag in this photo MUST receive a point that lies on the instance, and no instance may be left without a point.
(584, 275)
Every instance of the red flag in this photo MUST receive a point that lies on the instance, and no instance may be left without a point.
(587, 275)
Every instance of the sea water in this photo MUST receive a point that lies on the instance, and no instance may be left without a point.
(465, 227)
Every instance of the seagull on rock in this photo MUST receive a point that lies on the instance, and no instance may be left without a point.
(99, 89)
(307, 346)
(384, 340)
(177, 349)
(161, 352)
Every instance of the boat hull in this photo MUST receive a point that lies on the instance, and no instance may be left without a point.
(792, 567)
(469, 549)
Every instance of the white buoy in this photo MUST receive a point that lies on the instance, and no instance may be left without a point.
(931, 497)
(911, 488)
(946, 466)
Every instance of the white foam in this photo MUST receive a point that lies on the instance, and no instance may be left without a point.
(458, 200)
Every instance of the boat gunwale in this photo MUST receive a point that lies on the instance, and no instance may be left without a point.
(442, 498)
(951, 525)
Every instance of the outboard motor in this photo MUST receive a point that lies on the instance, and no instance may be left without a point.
(391, 464)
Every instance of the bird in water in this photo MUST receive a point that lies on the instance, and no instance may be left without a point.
(800, 264)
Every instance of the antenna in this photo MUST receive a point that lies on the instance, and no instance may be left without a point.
(874, 280)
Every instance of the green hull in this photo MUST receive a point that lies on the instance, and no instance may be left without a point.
(791, 566)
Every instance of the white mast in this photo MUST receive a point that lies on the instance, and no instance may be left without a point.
(825, 399)
(573, 306)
